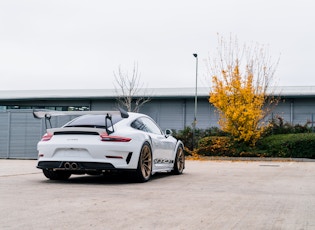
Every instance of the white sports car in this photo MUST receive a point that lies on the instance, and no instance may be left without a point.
(109, 141)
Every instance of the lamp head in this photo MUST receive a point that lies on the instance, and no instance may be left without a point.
(195, 55)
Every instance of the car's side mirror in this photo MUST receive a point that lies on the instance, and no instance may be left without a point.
(168, 132)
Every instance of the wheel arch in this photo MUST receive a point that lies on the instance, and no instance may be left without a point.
(178, 144)
(179, 163)
(145, 164)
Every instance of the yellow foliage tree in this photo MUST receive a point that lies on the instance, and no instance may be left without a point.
(241, 98)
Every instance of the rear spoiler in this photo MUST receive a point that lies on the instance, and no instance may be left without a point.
(53, 113)
(47, 114)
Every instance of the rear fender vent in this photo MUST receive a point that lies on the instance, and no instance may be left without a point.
(129, 157)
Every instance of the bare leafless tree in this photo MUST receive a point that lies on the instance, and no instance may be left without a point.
(129, 89)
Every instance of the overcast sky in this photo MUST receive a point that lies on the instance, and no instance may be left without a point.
(74, 44)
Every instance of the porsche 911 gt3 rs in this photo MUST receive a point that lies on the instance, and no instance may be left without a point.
(108, 141)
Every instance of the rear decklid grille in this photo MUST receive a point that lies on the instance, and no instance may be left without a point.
(76, 131)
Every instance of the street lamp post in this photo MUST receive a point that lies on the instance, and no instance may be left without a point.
(195, 113)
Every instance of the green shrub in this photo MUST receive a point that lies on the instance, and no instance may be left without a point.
(300, 145)
(295, 141)
(186, 135)
(278, 126)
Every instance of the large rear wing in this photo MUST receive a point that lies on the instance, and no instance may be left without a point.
(53, 113)
(47, 114)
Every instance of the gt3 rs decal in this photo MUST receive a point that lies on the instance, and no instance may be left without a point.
(163, 161)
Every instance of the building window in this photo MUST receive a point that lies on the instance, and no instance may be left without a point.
(58, 108)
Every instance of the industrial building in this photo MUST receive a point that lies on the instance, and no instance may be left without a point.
(171, 108)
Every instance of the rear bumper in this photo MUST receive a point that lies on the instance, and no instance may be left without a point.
(79, 166)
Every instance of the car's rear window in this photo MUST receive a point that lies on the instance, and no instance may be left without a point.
(96, 121)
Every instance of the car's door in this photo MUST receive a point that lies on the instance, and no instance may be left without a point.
(163, 146)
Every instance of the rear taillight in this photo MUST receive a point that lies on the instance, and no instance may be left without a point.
(47, 137)
(106, 137)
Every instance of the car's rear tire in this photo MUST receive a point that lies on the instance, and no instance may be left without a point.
(144, 169)
(179, 163)
(60, 175)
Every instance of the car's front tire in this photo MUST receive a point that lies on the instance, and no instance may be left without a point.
(144, 169)
(179, 163)
(60, 175)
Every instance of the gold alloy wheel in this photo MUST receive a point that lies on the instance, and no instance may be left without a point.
(180, 160)
(146, 162)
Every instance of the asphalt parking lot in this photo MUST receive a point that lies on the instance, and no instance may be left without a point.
(209, 195)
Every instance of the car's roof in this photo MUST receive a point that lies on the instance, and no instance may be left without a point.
(136, 115)
(99, 119)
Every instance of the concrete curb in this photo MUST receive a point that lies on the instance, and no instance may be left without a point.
(253, 159)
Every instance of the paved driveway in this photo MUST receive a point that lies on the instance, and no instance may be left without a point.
(209, 195)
